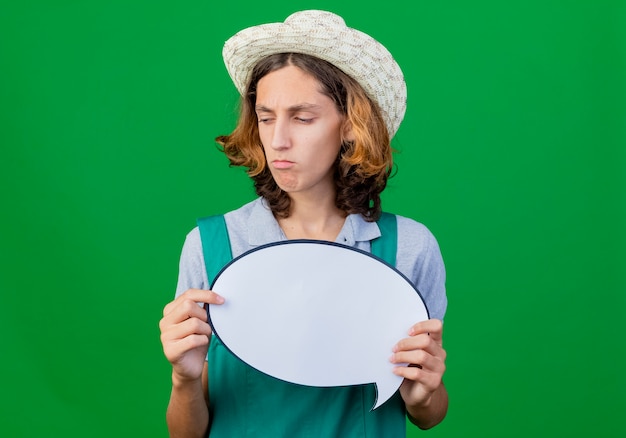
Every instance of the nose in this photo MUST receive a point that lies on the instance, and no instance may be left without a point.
(280, 135)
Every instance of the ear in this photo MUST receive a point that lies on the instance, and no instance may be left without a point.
(347, 133)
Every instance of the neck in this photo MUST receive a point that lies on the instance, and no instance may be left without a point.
(318, 219)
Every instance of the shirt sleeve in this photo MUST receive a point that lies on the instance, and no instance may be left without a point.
(191, 271)
(419, 258)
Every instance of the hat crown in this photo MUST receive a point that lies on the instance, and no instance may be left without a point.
(323, 18)
(324, 35)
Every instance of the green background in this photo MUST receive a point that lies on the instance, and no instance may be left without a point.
(512, 152)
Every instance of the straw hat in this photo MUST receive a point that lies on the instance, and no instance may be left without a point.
(326, 36)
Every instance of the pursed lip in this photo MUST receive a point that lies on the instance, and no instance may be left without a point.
(282, 164)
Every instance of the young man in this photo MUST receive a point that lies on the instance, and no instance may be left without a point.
(320, 103)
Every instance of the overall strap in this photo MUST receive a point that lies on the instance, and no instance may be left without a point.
(215, 245)
(386, 246)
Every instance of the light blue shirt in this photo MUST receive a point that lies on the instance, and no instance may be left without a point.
(418, 256)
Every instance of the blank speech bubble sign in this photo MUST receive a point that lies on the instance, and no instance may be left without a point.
(316, 313)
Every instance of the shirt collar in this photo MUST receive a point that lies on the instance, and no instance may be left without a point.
(263, 227)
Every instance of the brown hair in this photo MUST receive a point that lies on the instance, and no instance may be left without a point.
(363, 165)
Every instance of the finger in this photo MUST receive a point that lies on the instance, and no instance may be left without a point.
(184, 310)
(429, 380)
(188, 327)
(432, 326)
(192, 300)
(176, 350)
(186, 318)
(413, 357)
(196, 295)
(422, 341)
(419, 343)
(422, 359)
(427, 326)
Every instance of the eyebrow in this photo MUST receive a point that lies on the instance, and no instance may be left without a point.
(293, 108)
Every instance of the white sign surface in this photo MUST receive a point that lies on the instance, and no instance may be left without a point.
(316, 313)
